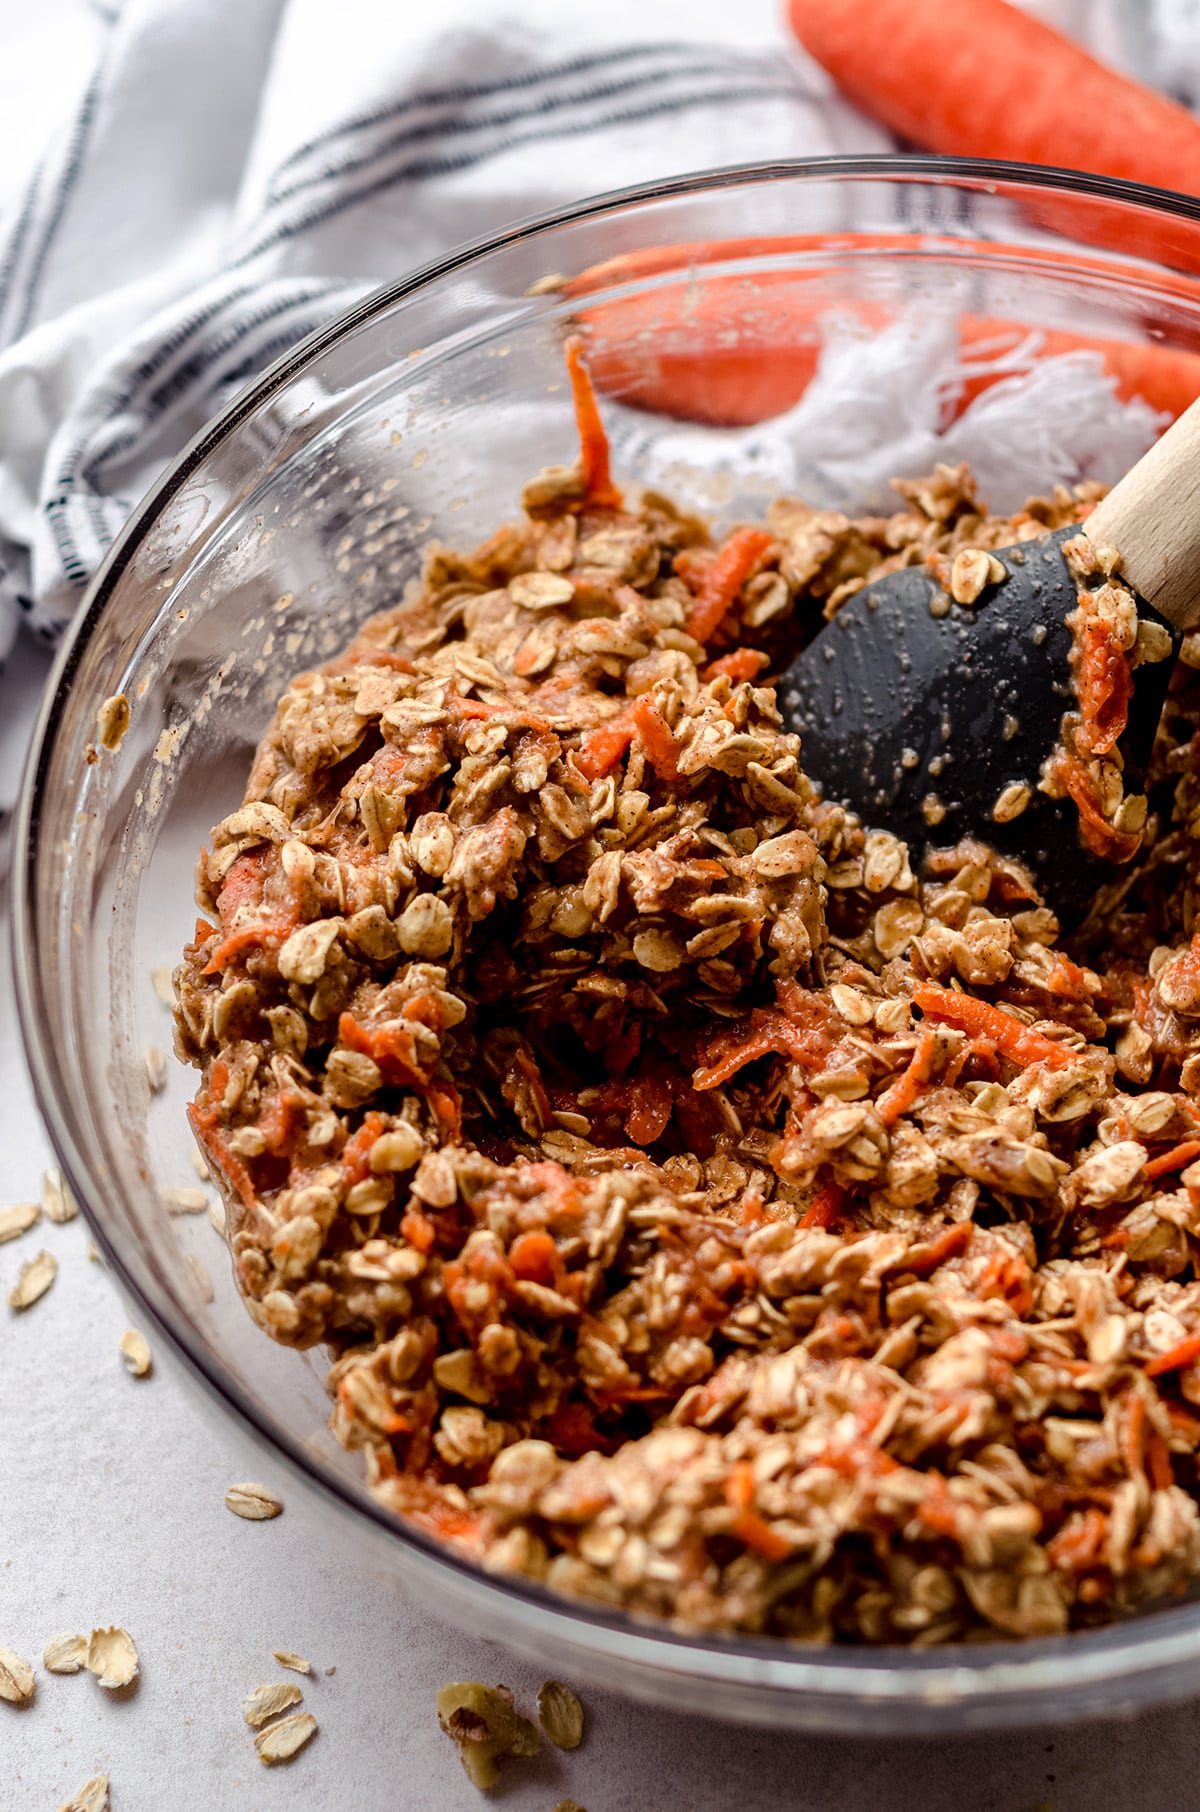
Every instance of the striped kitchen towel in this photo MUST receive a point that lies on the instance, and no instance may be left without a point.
(238, 171)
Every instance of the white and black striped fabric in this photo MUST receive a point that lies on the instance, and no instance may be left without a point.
(235, 172)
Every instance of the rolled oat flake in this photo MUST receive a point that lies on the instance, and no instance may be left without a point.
(33, 1280)
(93, 1797)
(267, 1702)
(135, 1352)
(16, 1678)
(253, 1502)
(17, 1218)
(281, 1741)
(65, 1654)
(112, 1657)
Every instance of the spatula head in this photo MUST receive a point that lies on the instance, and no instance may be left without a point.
(918, 716)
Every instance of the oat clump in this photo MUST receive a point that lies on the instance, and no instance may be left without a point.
(711, 1216)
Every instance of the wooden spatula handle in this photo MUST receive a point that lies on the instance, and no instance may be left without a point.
(1153, 517)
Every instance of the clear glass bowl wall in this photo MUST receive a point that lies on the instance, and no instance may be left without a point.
(306, 506)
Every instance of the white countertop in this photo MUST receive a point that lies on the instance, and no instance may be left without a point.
(111, 1511)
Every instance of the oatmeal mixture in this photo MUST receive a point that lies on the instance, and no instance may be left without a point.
(710, 1215)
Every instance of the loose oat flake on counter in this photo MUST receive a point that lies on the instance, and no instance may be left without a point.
(92, 1797)
(254, 1503)
(16, 1678)
(710, 1215)
(112, 1657)
(33, 1280)
(268, 1701)
(280, 1741)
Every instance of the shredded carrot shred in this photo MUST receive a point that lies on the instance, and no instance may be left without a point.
(513, 714)
(1104, 684)
(658, 739)
(356, 1152)
(741, 664)
(262, 932)
(1184, 1352)
(748, 1526)
(603, 747)
(534, 1257)
(1159, 1469)
(598, 486)
(724, 579)
(1097, 833)
(220, 1156)
(1069, 980)
(949, 1244)
(1175, 1159)
(1080, 1542)
(418, 1230)
(757, 1533)
(650, 1105)
(979, 1019)
(825, 1209)
(1133, 1434)
(798, 1028)
(904, 1091)
(446, 1103)
(391, 1045)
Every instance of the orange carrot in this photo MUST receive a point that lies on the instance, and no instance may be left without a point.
(446, 1103)
(825, 1209)
(390, 1044)
(261, 934)
(800, 1032)
(356, 1152)
(751, 1528)
(658, 739)
(1069, 980)
(742, 664)
(1096, 832)
(534, 1257)
(733, 565)
(1080, 1542)
(1159, 1469)
(709, 353)
(981, 1020)
(747, 1525)
(513, 714)
(1133, 1434)
(220, 1155)
(1104, 684)
(650, 1106)
(599, 489)
(904, 1091)
(1000, 84)
(418, 1230)
(1175, 1159)
(926, 1259)
(1184, 1352)
(603, 747)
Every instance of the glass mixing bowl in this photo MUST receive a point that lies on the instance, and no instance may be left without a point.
(305, 506)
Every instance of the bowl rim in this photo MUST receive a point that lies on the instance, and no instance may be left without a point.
(1156, 1654)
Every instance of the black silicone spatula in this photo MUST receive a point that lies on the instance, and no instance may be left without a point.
(919, 716)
